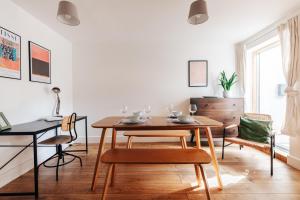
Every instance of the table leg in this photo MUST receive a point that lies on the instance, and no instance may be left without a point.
(86, 136)
(197, 136)
(100, 149)
(113, 145)
(198, 145)
(36, 170)
(213, 156)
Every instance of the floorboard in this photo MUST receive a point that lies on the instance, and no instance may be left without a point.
(245, 175)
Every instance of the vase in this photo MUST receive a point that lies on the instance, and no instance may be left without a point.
(226, 94)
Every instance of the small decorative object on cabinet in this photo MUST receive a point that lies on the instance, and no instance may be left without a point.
(226, 110)
(227, 83)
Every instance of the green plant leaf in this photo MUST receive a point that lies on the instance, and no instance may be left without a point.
(225, 83)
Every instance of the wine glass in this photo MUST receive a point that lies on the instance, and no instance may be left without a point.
(170, 109)
(193, 108)
(147, 110)
(124, 109)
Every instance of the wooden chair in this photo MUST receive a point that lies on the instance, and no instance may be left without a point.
(268, 148)
(177, 134)
(154, 156)
(68, 125)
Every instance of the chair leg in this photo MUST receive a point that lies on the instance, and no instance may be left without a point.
(75, 157)
(274, 146)
(205, 182)
(192, 137)
(271, 154)
(223, 145)
(107, 179)
(57, 165)
(48, 160)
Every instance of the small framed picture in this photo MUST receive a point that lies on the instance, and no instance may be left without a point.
(39, 63)
(198, 73)
(4, 124)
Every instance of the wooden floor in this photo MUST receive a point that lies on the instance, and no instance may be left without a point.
(245, 175)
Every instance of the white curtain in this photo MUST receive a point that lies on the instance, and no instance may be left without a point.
(240, 64)
(290, 43)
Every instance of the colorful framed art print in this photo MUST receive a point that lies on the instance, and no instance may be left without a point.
(10, 54)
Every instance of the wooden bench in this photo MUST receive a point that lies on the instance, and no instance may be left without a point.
(154, 156)
(180, 134)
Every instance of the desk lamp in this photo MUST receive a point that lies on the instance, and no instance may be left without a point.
(56, 91)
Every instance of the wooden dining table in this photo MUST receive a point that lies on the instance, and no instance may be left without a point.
(155, 124)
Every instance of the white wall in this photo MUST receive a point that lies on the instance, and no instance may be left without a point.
(22, 100)
(153, 71)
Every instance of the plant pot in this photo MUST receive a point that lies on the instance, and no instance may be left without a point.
(226, 94)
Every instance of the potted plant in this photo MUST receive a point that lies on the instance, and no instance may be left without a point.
(227, 83)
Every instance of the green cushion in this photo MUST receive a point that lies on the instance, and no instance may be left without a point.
(255, 130)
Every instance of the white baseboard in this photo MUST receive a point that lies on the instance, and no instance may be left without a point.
(293, 161)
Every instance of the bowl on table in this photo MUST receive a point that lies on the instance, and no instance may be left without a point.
(175, 114)
(185, 119)
(133, 119)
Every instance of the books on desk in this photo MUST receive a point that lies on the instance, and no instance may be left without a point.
(52, 119)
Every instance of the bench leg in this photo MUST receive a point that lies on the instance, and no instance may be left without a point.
(183, 142)
(129, 142)
(213, 156)
(198, 175)
(107, 179)
(205, 182)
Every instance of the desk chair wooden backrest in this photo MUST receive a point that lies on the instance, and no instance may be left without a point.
(68, 125)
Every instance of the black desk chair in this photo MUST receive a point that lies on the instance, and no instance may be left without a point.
(68, 125)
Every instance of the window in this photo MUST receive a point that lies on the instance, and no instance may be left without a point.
(265, 82)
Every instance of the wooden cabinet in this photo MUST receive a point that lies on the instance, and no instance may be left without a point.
(226, 110)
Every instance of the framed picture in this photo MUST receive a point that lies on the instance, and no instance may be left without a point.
(4, 124)
(198, 72)
(10, 54)
(39, 63)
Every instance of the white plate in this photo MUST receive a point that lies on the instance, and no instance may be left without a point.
(128, 121)
(177, 121)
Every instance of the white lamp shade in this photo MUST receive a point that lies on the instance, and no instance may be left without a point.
(198, 12)
(67, 13)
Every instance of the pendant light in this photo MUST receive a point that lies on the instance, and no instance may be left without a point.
(67, 13)
(198, 12)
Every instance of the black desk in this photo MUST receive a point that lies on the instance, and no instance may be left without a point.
(34, 129)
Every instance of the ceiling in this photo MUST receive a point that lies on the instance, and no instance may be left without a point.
(152, 20)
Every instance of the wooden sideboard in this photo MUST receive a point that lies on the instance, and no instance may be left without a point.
(226, 110)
